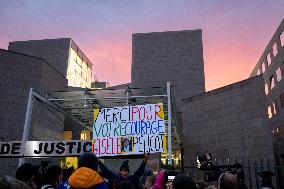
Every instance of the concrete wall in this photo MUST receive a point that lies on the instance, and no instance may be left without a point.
(276, 123)
(228, 122)
(18, 73)
(55, 51)
(169, 56)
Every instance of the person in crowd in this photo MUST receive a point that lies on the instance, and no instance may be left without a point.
(228, 181)
(149, 182)
(201, 185)
(183, 182)
(124, 171)
(125, 185)
(161, 180)
(51, 178)
(86, 176)
(266, 180)
(211, 187)
(66, 174)
(25, 173)
(126, 146)
(8, 182)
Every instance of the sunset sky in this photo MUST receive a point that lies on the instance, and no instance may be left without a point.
(235, 32)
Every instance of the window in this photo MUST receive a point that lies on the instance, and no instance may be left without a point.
(269, 112)
(266, 88)
(85, 135)
(274, 49)
(67, 135)
(282, 39)
(268, 59)
(278, 74)
(263, 67)
(272, 83)
(274, 108)
(258, 72)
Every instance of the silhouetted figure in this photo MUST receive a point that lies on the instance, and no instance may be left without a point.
(52, 178)
(228, 181)
(86, 176)
(183, 182)
(25, 173)
(266, 177)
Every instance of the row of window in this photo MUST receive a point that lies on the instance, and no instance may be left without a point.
(84, 135)
(271, 84)
(273, 53)
(74, 56)
(274, 108)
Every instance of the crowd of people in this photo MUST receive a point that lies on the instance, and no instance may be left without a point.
(93, 174)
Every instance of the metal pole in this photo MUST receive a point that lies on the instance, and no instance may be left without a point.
(169, 123)
(27, 122)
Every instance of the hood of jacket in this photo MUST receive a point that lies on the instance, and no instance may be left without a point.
(84, 178)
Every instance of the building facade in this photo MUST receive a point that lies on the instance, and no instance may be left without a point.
(63, 54)
(271, 66)
(19, 73)
(175, 56)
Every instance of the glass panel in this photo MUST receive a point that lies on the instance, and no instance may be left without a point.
(266, 88)
(274, 108)
(278, 74)
(263, 67)
(282, 39)
(268, 59)
(67, 135)
(79, 61)
(85, 135)
(274, 49)
(269, 112)
(272, 83)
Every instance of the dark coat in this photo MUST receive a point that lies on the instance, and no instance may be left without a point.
(134, 179)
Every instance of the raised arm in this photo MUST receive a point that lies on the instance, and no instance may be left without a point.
(139, 172)
(108, 174)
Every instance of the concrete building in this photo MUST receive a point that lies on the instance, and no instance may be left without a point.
(271, 66)
(100, 84)
(63, 54)
(228, 122)
(19, 73)
(175, 56)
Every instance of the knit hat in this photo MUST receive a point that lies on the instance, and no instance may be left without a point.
(88, 160)
(124, 165)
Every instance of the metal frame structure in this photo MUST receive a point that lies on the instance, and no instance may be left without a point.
(85, 100)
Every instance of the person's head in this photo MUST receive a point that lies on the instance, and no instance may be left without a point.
(8, 182)
(227, 181)
(211, 187)
(26, 173)
(67, 173)
(124, 169)
(125, 142)
(201, 185)
(150, 181)
(124, 185)
(52, 176)
(183, 182)
(88, 160)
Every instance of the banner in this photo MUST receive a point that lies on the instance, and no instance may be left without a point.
(44, 148)
(129, 130)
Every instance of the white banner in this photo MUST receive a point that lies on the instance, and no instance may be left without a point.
(44, 148)
(129, 130)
